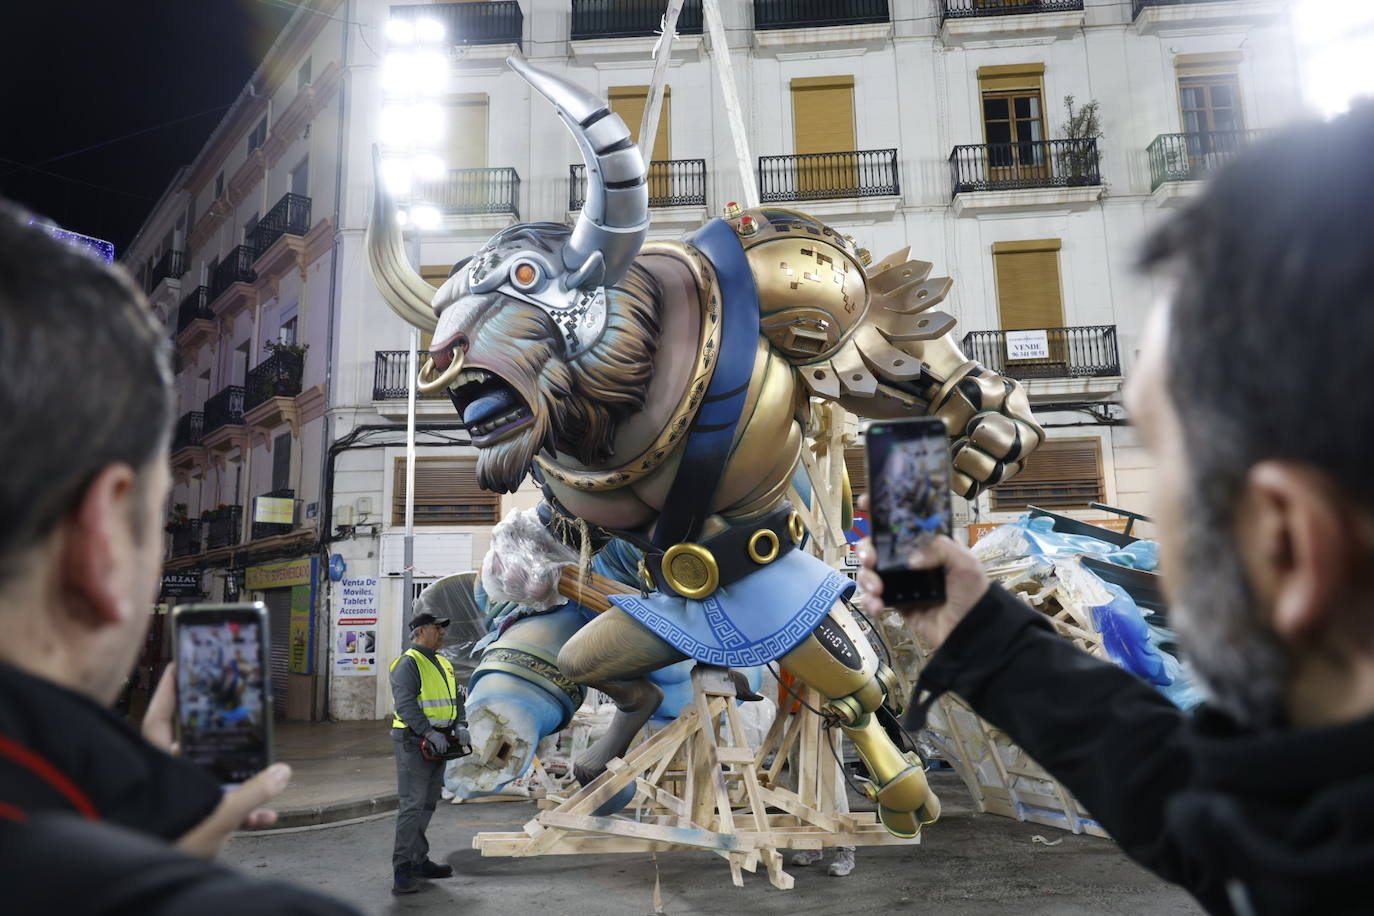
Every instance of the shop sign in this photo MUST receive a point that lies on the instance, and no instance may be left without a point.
(181, 585)
(284, 574)
(355, 627)
(274, 510)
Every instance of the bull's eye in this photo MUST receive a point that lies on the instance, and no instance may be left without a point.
(525, 275)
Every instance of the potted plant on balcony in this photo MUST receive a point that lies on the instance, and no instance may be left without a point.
(176, 517)
(290, 366)
(1078, 156)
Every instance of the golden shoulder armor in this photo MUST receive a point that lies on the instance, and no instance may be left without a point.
(812, 288)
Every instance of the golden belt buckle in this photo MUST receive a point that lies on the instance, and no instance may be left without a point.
(691, 570)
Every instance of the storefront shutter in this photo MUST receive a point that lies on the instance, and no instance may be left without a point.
(278, 601)
(1060, 474)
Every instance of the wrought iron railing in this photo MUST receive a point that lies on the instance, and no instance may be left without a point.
(809, 14)
(268, 529)
(1028, 164)
(171, 266)
(223, 527)
(672, 183)
(194, 307)
(829, 176)
(186, 538)
(237, 267)
(389, 377)
(1082, 352)
(494, 23)
(469, 191)
(278, 376)
(970, 9)
(1189, 157)
(188, 430)
(1139, 5)
(289, 216)
(629, 18)
(224, 409)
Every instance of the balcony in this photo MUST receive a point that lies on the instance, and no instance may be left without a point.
(1176, 160)
(389, 389)
(1056, 361)
(797, 28)
(260, 530)
(170, 266)
(186, 538)
(840, 177)
(474, 25)
(187, 432)
(290, 216)
(195, 320)
(229, 289)
(278, 376)
(1152, 16)
(475, 198)
(224, 418)
(597, 19)
(223, 527)
(1027, 175)
(672, 183)
(971, 22)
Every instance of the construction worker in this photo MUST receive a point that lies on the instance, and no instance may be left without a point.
(425, 730)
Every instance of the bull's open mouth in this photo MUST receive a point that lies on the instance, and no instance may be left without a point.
(489, 406)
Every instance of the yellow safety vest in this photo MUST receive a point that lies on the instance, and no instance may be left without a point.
(438, 690)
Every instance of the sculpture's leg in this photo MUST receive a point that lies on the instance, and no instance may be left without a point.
(837, 661)
(612, 654)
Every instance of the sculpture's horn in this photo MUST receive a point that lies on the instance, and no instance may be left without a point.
(407, 292)
(615, 218)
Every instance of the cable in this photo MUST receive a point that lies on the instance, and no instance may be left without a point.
(60, 177)
(828, 721)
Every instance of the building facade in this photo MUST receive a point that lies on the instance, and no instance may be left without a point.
(939, 124)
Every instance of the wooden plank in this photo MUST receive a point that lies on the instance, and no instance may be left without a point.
(695, 838)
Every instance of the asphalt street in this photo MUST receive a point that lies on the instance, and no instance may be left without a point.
(967, 864)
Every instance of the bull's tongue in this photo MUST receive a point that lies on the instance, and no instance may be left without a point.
(490, 403)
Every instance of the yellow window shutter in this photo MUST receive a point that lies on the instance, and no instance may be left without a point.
(1028, 293)
(1060, 474)
(466, 147)
(629, 102)
(1005, 77)
(446, 493)
(1215, 63)
(823, 114)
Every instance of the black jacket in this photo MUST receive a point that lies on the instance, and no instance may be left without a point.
(1250, 823)
(87, 808)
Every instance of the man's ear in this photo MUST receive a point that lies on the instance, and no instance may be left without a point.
(1298, 544)
(96, 554)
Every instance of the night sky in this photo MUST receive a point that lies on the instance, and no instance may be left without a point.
(76, 75)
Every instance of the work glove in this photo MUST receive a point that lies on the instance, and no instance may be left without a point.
(437, 742)
(461, 736)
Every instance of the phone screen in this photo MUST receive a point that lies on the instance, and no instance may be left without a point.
(909, 503)
(224, 704)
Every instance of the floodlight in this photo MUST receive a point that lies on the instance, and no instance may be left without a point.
(400, 32)
(426, 124)
(430, 72)
(398, 73)
(397, 174)
(424, 216)
(428, 166)
(397, 126)
(429, 30)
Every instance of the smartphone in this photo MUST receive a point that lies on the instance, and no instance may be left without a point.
(224, 688)
(908, 504)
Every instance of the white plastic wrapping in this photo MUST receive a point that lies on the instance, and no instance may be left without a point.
(524, 562)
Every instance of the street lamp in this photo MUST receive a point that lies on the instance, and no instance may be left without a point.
(414, 74)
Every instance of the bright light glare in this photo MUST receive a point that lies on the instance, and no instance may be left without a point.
(397, 125)
(400, 32)
(397, 175)
(427, 124)
(1336, 46)
(398, 73)
(424, 216)
(428, 166)
(402, 217)
(429, 30)
(430, 71)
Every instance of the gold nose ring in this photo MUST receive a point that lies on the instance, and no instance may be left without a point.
(431, 380)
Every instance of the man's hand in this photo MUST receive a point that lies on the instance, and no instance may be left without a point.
(965, 585)
(240, 809)
(437, 742)
(461, 736)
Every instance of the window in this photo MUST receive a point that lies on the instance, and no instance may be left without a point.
(823, 122)
(249, 228)
(219, 186)
(466, 145)
(241, 364)
(629, 102)
(258, 136)
(287, 334)
(281, 462)
(1060, 474)
(300, 178)
(1012, 99)
(446, 493)
(1028, 294)
(303, 75)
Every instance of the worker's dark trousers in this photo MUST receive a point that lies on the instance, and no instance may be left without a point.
(418, 782)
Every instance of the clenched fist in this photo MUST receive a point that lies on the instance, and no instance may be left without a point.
(990, 420)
